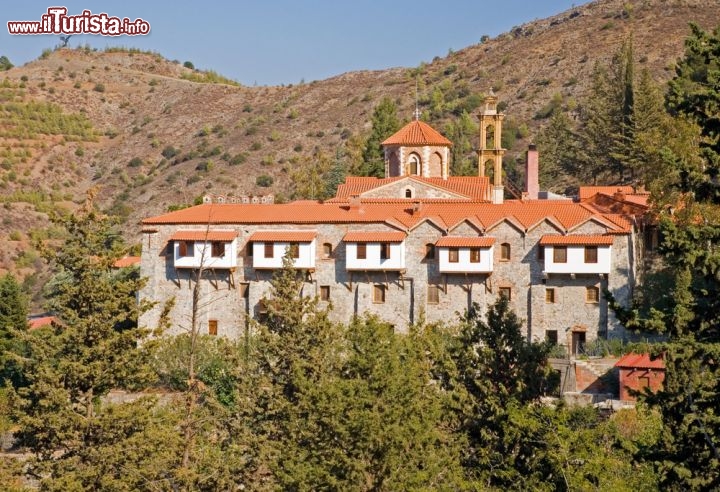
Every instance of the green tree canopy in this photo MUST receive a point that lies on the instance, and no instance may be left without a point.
(384, 123)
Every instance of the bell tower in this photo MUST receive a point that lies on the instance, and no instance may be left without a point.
(490, 151)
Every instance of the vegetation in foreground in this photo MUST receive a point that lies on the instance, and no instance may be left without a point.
(305, 404)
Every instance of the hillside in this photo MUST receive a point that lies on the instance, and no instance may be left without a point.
(147, 135)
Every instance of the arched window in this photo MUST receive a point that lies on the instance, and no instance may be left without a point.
(408, 193)
(490, 137)
(327, 250)
(414, 165)
(505, 252)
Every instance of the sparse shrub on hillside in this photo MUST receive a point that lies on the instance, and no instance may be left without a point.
(99, 87)
(238, 159)
(193, 179)
(135, 162)
(247, 108)
(169, 152)
(274, 136)
(293, 114)
(15, 236)
(298, 148)
(79, 152)
(264, 180)
(268, 160)
(189, 64)
(256, 146)
(45, 53)
(205, 166)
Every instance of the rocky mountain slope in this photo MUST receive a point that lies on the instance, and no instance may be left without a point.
(146, 133)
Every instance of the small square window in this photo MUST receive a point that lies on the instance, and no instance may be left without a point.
(384, 251)
(560, 254)
(505, 252)
(433, 294)
(592, 294)
(591, 254)
(218, 249)
(551, 336)
(474, 255)
(378, 294)
(186, 248)
(269, 250)
(453, 255)
(249, 247)
(324, 292)
(550, 296)
(212, 327)
(294, 250)
(429, 251)
(541, 252)
(505, 292)
(361, 251)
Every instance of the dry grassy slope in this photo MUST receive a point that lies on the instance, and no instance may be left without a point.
(146, 106)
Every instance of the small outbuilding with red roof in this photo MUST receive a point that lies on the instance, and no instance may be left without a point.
(639, 371)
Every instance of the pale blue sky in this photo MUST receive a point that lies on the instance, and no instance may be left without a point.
(284, 41)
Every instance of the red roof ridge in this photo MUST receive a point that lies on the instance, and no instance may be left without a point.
(417, 133)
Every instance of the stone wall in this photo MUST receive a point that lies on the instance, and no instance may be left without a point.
(230, 298)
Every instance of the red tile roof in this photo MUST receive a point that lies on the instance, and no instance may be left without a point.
(128, 261)
(283, 236)
(417, 133)
(203, 235)
(576, 240)
(374, 237)
(524, 215)
(640, 361)
(586, 192)
(465, 242)
(35, 323)
(474, 188)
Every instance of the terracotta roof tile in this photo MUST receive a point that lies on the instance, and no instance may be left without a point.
(475, 188)
(203, 236)
(524, 215)
(417, 133)
(35, 323)
(576, 240)
(374, 237)
(127, 262)
(640, 361)
(586, 192)
(283, 236)
(465, 242)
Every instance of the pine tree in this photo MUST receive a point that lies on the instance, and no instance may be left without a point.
(558, 147)
(688, 456)
(13, 320)
(497, 370)
(384, 123)
(92, 350)
(462, 132)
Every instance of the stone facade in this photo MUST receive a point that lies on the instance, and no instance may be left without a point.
(569, 308)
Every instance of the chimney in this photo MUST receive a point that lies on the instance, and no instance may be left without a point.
(619, 195)
(417, 207)
(532, 171)
(354, 202)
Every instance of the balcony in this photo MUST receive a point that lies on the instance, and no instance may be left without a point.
(465, 254)
(206, 249)
(375, 251)
(578, 254)
(269, 247)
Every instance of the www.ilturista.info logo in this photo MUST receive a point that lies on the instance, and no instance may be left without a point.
(56, 21)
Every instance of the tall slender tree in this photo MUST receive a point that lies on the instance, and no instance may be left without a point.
(385, 122)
